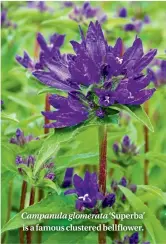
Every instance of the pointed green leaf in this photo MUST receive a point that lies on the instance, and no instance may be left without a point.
(11, 117)
(53, 204)
(137, 112)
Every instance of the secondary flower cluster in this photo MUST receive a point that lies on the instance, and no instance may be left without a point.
(30, 161)
(159, 72)
(88, 194)
(96, 77)
(125, 147)
(123, 182)
(133, 239)
(80, 14)
(136, 24)
(20, 139)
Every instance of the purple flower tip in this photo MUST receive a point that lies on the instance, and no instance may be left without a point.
(116, 148)
(100, 113)
(114, 185)
(109, 200)
(50, 176)
(126, 141)
(129, 27)
(67, 182)
(134, 238)
(19, 133)
(123, 13)
(133, 188)
(146, 19)
(123, 182)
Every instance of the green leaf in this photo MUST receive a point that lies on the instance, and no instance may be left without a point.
(161, 56)
(158, 158)
(11, 117)
(51, 90)
(46, 183)
(23, 103)
(155, 191)
(113, 22)
(150, 221)
(52, 204)
(47, 150)
(137, 112)
(67, 23)
(68, 237)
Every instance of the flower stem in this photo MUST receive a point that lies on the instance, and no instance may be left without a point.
(36, 49)
(102, 171)
(8, 209)
(102, 158)
(31, 202)
(40, 197)
(22, 204)
(146, 147)
(47, 108)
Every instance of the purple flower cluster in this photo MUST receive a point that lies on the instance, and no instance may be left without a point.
(123, 182)
(30, 161)
(88, 194)
(96, 77)
(80, 14)
(159, 73)
(20, 139)
(136, 24)
(4, 20)
(40, 5)
(133, 239)
(125, 147)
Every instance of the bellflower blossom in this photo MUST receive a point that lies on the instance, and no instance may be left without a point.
(88, 194)
(136, 24)
(80, 14)
(30, 161)
(40, 5)
(159, 74)
(96, 77)
(20, 139)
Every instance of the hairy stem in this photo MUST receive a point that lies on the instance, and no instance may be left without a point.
(146, 148)
(31, 202)
(22, 204)
(47, 108)
(102, 171)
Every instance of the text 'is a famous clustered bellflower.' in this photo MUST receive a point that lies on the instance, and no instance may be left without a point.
(96, 77)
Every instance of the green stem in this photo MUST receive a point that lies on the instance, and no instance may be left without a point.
(102, 171)
(22, 204)
(146, 149)
(31, 202)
